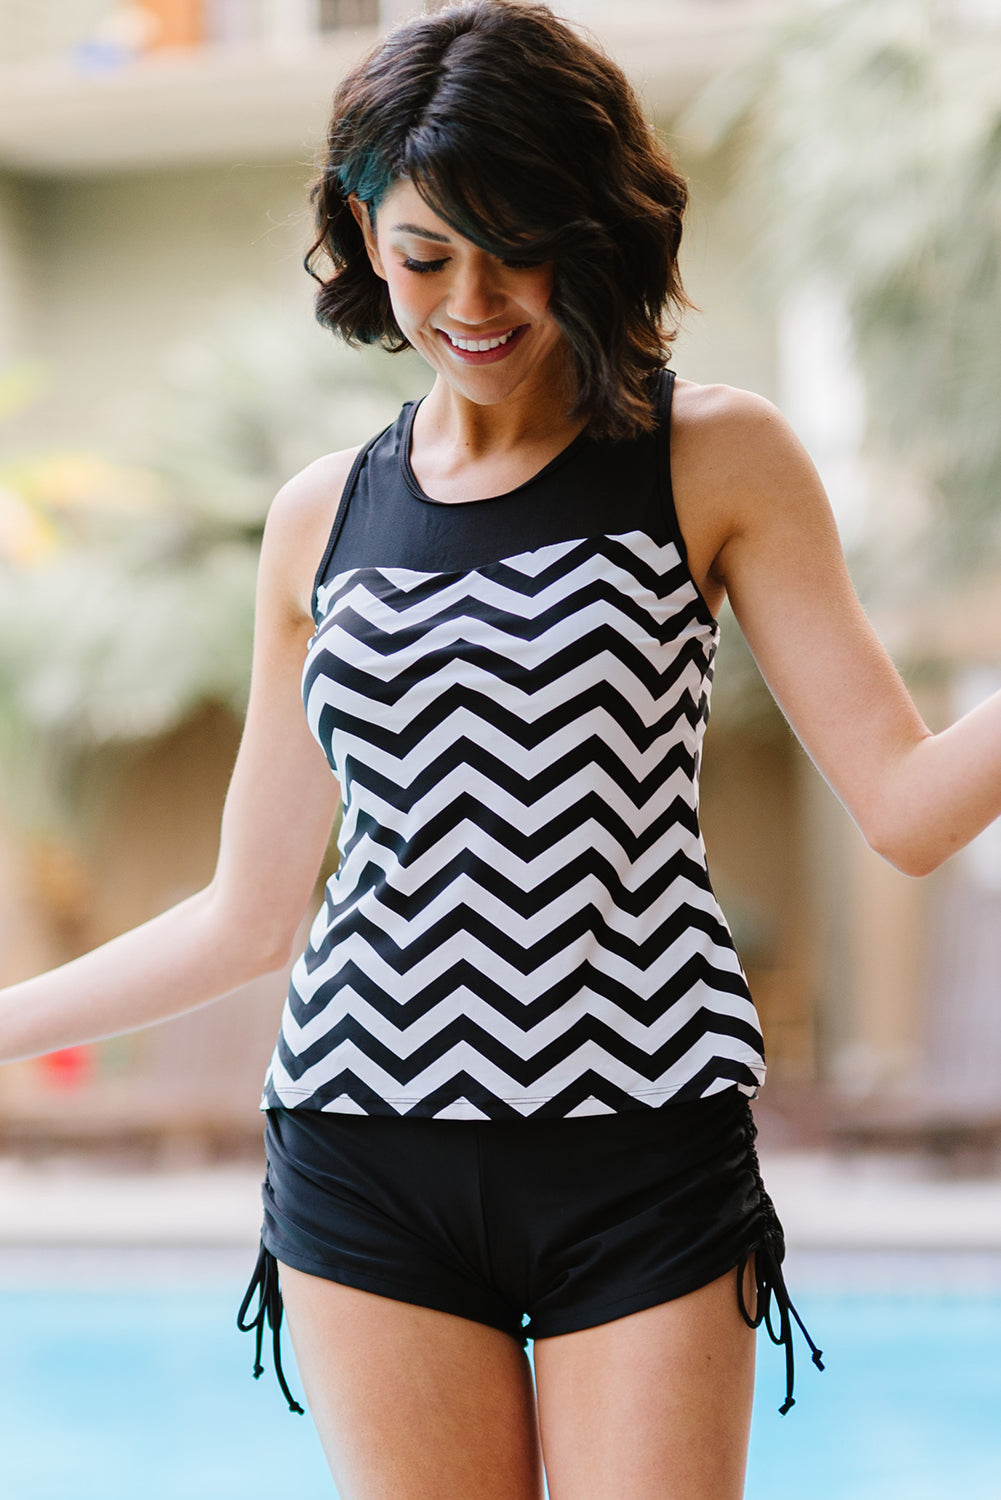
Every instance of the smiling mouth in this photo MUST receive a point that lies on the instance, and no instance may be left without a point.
(479, 346)
(486, 350)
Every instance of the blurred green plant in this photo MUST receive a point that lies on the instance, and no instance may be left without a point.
(864, 146)
(126, 594)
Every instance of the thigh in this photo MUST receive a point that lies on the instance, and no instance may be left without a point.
(411, 1403)
(655, 1406)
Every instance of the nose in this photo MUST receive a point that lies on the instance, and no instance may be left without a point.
(475, 295)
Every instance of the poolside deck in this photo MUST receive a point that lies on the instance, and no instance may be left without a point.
(827, 1201)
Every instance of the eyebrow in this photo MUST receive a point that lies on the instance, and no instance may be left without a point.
(423, 234)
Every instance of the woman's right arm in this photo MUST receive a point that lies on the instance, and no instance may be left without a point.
(276, 823)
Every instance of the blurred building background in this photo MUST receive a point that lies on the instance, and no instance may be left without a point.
(160, 375)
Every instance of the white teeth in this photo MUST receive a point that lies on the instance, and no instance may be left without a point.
(478, 346)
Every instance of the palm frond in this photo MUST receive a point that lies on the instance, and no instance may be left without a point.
(865, 147)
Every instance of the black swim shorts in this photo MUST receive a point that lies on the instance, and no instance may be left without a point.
(535, 1227)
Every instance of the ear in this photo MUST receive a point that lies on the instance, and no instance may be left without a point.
(364, 220)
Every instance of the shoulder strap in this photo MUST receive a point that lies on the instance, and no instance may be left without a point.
(342, 510)
(664, 402)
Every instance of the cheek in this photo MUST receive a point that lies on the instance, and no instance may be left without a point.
(410, 303)
(547, 282)
(543, 284)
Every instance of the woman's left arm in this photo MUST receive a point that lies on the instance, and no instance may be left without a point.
(916, 796)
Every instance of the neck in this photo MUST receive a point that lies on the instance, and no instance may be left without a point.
(474, 431)
(462, 450)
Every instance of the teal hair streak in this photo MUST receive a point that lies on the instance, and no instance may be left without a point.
(369, 178)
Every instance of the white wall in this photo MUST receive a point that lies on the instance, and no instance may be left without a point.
(44, 28)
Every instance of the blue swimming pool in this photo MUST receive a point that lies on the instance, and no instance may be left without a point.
(135, 1386)
(908, 1408)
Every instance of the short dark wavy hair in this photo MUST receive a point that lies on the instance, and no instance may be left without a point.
(530, 142)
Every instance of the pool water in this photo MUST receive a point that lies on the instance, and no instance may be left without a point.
(143, 1394)
(907, 1408)
(131, 1391)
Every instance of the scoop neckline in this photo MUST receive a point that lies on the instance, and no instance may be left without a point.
(414, 486)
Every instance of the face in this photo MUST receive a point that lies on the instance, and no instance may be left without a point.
(483, 324)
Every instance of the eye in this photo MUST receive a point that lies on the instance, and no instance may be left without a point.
(521, 265)
(423, 266)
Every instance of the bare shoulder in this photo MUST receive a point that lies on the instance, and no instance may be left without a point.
(702, 404)
(299, 524)
(724, 434)
(738, 470)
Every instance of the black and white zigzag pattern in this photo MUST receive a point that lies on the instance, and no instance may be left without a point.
(522, 922)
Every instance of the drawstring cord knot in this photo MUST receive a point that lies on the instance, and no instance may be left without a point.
(771, 1283)
(769, 1251)
(264, 1283)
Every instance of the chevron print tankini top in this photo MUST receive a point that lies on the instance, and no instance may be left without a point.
(512, 693)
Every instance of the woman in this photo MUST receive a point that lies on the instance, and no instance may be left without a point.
(514, 1069)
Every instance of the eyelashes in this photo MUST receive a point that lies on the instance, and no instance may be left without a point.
(424, 267)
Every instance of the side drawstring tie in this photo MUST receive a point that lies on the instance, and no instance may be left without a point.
(769, 1251)
(771, 1283)
(264, 1283)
